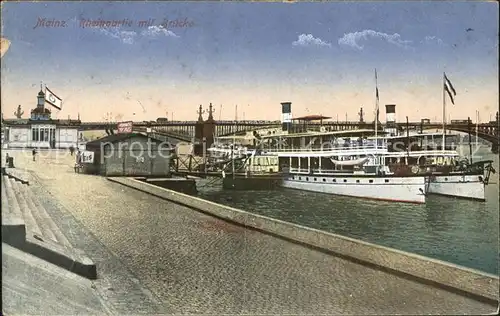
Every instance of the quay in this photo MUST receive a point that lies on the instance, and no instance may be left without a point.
(157, 251)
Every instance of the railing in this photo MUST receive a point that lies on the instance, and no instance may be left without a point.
(313, 172)
(326, 149)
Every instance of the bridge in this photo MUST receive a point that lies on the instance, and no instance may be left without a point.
(208, 129)
(186, 129)
(189, 131)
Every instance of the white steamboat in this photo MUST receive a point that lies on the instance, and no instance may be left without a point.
(346, 163)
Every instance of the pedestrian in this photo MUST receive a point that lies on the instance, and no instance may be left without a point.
(7, 158)
(72, 150)
(78, 161)
(33, 152)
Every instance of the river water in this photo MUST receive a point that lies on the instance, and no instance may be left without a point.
(454, 230)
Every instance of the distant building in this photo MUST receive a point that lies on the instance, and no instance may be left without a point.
(130, 155)
(40, 130)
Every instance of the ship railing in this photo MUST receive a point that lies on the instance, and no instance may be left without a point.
(314, 171)
(325, 148)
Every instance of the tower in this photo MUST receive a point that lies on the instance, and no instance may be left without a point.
(361, 116)
(286, 116)
(40, 112)
(390, 118)
(211, 111)
(200, 113)
(209, 127)
(198, 133)
(41, 100)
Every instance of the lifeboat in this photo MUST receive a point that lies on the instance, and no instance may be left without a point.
(352, 162)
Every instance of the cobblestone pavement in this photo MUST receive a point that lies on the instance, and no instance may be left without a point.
(171, 259)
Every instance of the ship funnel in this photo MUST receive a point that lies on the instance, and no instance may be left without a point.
(390, 119)
(286, 115)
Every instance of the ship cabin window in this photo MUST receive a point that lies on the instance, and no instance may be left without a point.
(300, 178)
(315, 179)
(357, 181)
(345, 180)
(324, 180)
(334, 180)
(371, 181)
(307, 178)
(445, 179)
(386, 180)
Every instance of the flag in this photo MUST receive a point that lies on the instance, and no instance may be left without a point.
(53, 99)
(448, 87)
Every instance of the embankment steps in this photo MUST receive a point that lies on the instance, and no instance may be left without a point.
(27, 225)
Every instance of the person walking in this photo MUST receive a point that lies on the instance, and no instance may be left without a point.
(33, 152)
(78, 163)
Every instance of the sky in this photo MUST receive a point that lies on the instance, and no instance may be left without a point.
(247, 58)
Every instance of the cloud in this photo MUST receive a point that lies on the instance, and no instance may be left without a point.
(127, 37)
(154, 31)
(432, 40)
(352, 39)
(309, 40)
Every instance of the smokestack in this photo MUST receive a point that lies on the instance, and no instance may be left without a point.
(390, 112)
(390, 118)
(286, 115)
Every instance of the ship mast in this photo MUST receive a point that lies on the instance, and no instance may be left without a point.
(234, 138)
(376, 109)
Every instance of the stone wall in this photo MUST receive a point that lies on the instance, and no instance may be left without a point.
(435, 272)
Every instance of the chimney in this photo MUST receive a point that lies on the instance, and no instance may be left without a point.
(286, 115)
(390, 119)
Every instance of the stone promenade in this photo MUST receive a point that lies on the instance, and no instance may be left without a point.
(156, 257)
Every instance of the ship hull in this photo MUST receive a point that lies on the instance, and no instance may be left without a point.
(395, 189)
(461, 186)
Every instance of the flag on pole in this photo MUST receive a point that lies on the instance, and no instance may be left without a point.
(377, 96)
(448, 87)
(53, 99)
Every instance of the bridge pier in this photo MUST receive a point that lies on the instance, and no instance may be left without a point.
(209, 127)
(198, 134)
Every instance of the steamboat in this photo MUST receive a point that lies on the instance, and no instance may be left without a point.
(375, 164)
(348, 163)
(447, 172)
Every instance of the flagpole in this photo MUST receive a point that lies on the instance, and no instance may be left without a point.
(477, 129)
(444, 114)
(376, 110)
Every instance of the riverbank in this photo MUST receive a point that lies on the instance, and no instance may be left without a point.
(454, 230)
(160, 257)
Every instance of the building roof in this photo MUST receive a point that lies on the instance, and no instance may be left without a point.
(313, 117)
(117, 138)
(15, 121)
(40, 110)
